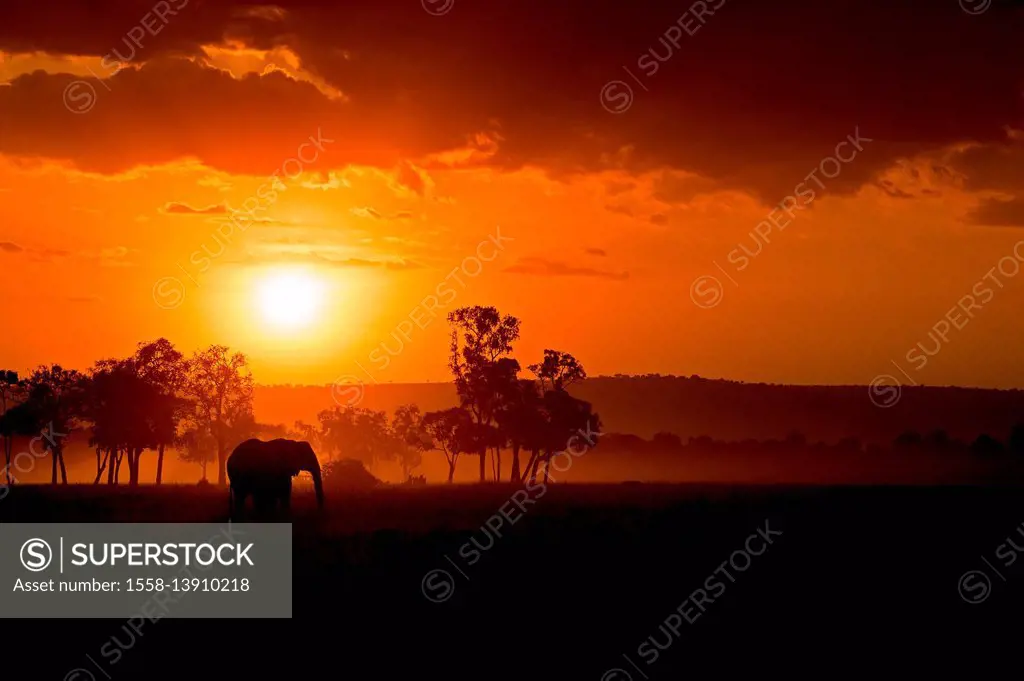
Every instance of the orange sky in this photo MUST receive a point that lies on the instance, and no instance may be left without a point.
(113, 189)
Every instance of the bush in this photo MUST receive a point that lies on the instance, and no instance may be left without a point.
(348, 474)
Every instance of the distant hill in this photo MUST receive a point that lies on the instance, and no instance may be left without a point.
(694, 406)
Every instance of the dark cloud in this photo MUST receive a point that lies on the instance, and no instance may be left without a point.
(998, 213)
(620, 210)
(185, 209)
(366, 212)
(10, 247)
(599, 252)
(551, 268)
(659, 219)
(753, 100)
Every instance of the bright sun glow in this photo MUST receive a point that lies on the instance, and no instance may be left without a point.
(290, 299)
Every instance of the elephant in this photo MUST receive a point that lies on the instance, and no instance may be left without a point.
(265, 470)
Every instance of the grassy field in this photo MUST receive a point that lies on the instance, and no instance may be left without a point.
(583, 576)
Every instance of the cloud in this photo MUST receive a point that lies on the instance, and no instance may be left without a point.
(620, 210)
(407, 105)
(10, 247)
(551, 268)
(998, 213)
(175, 208)
(599, 252)
(659, 219)
(408, 180)
(367, 212)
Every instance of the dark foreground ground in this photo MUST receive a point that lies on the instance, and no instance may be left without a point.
(866, 580)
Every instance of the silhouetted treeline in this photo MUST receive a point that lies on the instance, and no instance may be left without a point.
(202, 407)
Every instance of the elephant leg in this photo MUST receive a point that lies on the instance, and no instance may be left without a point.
(286, 495)
(263, 500)
(237, 500)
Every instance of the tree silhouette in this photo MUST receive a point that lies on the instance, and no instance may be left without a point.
(480, 361)
(57, 396)
(219, 386)
(558, 370)
(407, 428)
(357, 433)
(161, 365)
(450, 433)
(11, 391)
(564, 416)
(522, 420)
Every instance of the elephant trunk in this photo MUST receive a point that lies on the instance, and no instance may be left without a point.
(318, 485)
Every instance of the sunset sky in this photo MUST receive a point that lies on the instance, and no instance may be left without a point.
(602, 160)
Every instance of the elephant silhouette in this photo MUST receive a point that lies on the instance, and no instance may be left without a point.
(265, 470)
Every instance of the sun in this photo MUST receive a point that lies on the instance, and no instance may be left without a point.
(290, 299)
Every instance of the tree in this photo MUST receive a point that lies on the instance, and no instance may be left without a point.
(356, 433)
(522, 421)
(449, 433)
(160, 364)
(564, 416)
(412, 439)
(482, 367)
(558, 370)
(219, 386)
(20, 420)
(11, 390)
(130, 414)
(568, 419)
(57, 396)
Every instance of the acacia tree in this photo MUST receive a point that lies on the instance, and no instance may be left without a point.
(219, 386)
(521, 420)
(161, 365)
(481, 363)
(411, 438)
(450, 433)
(57, 396)
(558, 370)
(560, 416)
(356, 433)
(11, 391)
